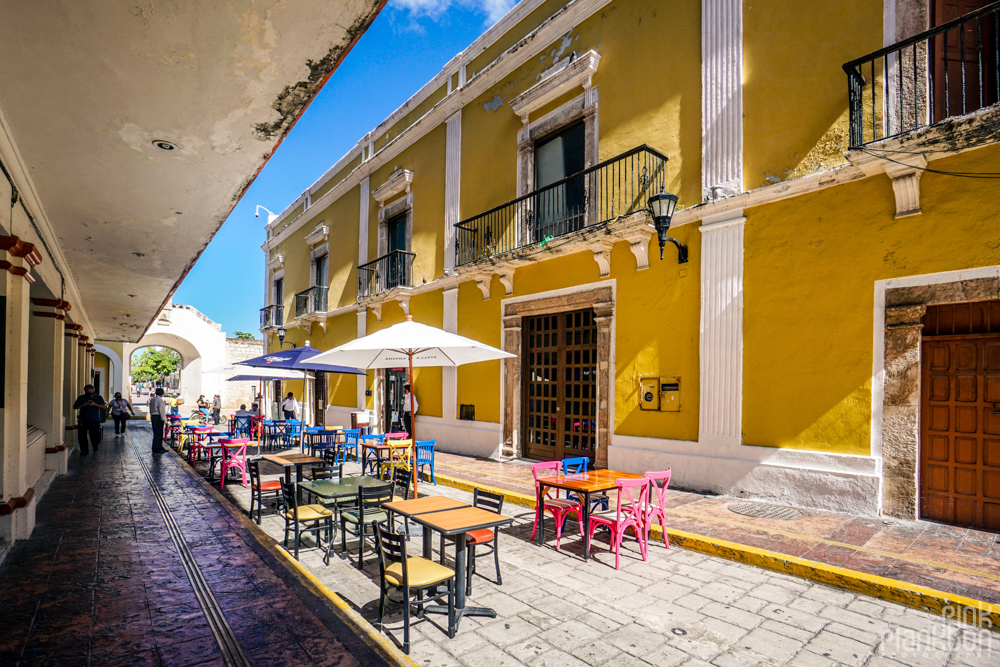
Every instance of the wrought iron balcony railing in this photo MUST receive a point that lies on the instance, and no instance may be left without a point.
(383, 274)
(950, 70)
(271, 316)
(607, 191)
(312, 300)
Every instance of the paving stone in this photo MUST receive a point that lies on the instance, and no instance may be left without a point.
(636, 639)
(861, 622)
(787, 630)
(866, 608)
(738, 659)
(692, 601)
(598, 652)
(772, 593)
(724, 630)
(509, 631)
(732, 614)
(569, 634)
(809, 659)
(841, 649)
(557, 658)
(529, 649)
(667, 656)
(790, 616)
(770, 644)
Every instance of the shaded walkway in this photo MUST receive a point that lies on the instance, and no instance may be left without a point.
(103, 581)
(961, 561)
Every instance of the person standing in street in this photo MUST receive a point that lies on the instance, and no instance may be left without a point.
(88, 423)
(290, 406)
(158, 417)
(216, 408)
(121, 412)
(407, 415)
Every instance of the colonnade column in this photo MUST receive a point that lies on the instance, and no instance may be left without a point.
(14, 412)
(720, 419)
(71, 378)
(45, 389)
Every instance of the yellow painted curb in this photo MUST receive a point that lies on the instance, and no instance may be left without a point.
(957, 607)
(375, 639)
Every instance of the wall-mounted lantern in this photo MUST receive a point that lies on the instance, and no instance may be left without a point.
(661, 207)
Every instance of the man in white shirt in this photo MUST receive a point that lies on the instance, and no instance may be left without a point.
(290, 406)
(158, 417)
(407, 416)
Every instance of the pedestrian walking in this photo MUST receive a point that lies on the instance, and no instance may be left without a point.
(290, 406)
(121, 412)
(157, 417)
(216, 408)
(407, 416)
(88, 422)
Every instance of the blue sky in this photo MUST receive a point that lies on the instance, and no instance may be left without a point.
(406, 45)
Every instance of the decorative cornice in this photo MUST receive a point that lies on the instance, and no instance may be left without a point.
(571, 73)
(16, 247)
(399, 181)
(16, 270)
(318, 235)
(75, 327)
(17, 502)
(276, 263)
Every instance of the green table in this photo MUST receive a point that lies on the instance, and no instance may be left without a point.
(327, 489)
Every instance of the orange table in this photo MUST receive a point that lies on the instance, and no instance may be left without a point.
(425, 505)
(584, 484)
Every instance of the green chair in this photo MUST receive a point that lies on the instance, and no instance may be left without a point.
(369, 511)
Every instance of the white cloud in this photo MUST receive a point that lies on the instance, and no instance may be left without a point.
(434, 9)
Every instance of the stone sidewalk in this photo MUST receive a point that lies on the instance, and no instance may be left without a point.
(961, 561)
(103, 582)
(679, 608)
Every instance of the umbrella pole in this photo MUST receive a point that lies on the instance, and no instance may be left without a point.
(413, 429)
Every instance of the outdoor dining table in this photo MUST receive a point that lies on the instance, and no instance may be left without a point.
(290, 460)
(383, 454)
(583, 484)
(450, 523)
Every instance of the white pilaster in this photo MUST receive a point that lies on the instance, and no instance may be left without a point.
(13, 416)
(71, 383)
(721, 98)
(449, 374)
(45, 387)
(452, 186)
(720, 415)
(363, 222)
(362, 379)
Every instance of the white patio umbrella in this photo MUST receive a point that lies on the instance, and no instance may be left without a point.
(413, 344)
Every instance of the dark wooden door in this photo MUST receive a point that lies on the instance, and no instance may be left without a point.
(319, 399)
(560, 386)
(964, 58)
(960, 430)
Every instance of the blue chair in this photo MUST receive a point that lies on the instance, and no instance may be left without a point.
(241, 427)
(293, 430)
(425, 457)
(575, 466)
(352, 438)
(369, 460)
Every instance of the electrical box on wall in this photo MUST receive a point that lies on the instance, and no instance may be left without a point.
(670, 394)
(649, 393)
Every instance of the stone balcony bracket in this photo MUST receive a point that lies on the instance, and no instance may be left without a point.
(318, 235)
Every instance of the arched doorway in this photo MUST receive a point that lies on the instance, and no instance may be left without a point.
(188, 381)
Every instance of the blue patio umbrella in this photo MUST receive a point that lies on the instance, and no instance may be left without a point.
(298, 358)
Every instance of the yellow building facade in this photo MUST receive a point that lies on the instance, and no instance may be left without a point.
(827, 215)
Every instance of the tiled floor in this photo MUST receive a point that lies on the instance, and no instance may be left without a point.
(678, 608)
(101, 581)
(947, 558)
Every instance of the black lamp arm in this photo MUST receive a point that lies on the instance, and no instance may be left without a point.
(682, 250)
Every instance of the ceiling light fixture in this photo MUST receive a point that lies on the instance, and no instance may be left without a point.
(164, 145)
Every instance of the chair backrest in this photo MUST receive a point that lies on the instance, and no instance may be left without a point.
(352, 436)
(632, 499)
(576, 465)
(401, 479)
(552, 468)
(487, 500)
(370, 498)
(290, 498)
(659, 481)
(397, 435)
(373, 437)
(241, 424)
(425, 451)
(391, 548)
(323, 472)
(229, 443)
(253, 465)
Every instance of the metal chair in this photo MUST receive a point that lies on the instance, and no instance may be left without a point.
(425, 457)
(304, 519)
(258, 488)
(486, 537)
(406, 573)
(368, 511)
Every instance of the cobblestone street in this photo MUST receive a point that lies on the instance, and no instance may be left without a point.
(679, 608)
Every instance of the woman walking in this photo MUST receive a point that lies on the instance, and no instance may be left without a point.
(121, 411)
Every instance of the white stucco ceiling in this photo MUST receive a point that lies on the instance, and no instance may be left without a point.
(87, 86)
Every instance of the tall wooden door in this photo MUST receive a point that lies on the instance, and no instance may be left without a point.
(960, 443)
(320, 391)
(965, 59)
(560, 386)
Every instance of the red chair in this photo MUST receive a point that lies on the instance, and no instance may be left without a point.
(630, 513)
(233, 459)
(656, 508)
(199, 434)
(559, 507)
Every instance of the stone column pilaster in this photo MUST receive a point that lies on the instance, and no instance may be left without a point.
(71, 378)
(449, 374)
(14, 444)
(511, 377)
(45, 386)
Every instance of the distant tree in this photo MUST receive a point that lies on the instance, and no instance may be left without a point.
(154, 364)
(244, 335)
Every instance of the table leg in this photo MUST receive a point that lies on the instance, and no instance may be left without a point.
(586, 525)
(460, 567)
(428, 534)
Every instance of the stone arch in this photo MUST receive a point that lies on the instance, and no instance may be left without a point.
(116, 371)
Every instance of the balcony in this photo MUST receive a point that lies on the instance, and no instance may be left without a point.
(944, 72)
(271, 316)
(605, 192)
(385, 273)
(312, 300)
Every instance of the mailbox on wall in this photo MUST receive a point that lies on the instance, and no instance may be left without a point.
(661, 393)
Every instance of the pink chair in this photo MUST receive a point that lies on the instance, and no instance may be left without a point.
(656, 508)
(199, 434)
(630, 513)
(398, 435)
(559, 507)
(233, 459)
